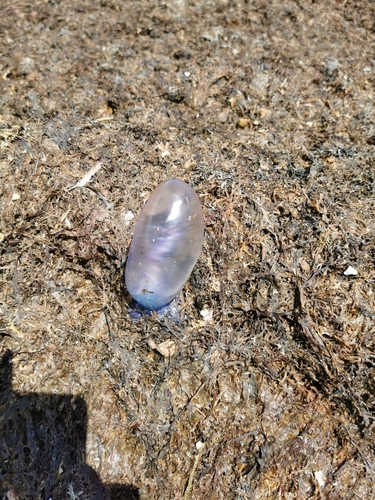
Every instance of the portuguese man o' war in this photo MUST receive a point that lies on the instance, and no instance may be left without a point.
(166, 244)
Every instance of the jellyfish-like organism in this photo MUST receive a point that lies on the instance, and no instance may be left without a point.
(166, 244)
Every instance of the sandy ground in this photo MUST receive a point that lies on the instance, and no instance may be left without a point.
(265, 387)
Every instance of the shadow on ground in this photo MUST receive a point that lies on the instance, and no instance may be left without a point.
(42, 446)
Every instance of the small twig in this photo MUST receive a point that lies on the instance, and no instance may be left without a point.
(192, 472)
(87, 178)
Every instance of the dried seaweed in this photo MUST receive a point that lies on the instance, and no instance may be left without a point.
(265, 388)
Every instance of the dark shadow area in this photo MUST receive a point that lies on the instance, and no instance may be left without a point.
(42, 447)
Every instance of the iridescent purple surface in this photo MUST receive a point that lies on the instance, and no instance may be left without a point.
(166, 244)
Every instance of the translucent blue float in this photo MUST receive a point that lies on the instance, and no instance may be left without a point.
(166, 244)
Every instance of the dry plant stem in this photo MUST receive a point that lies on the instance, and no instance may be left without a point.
(198, 456)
